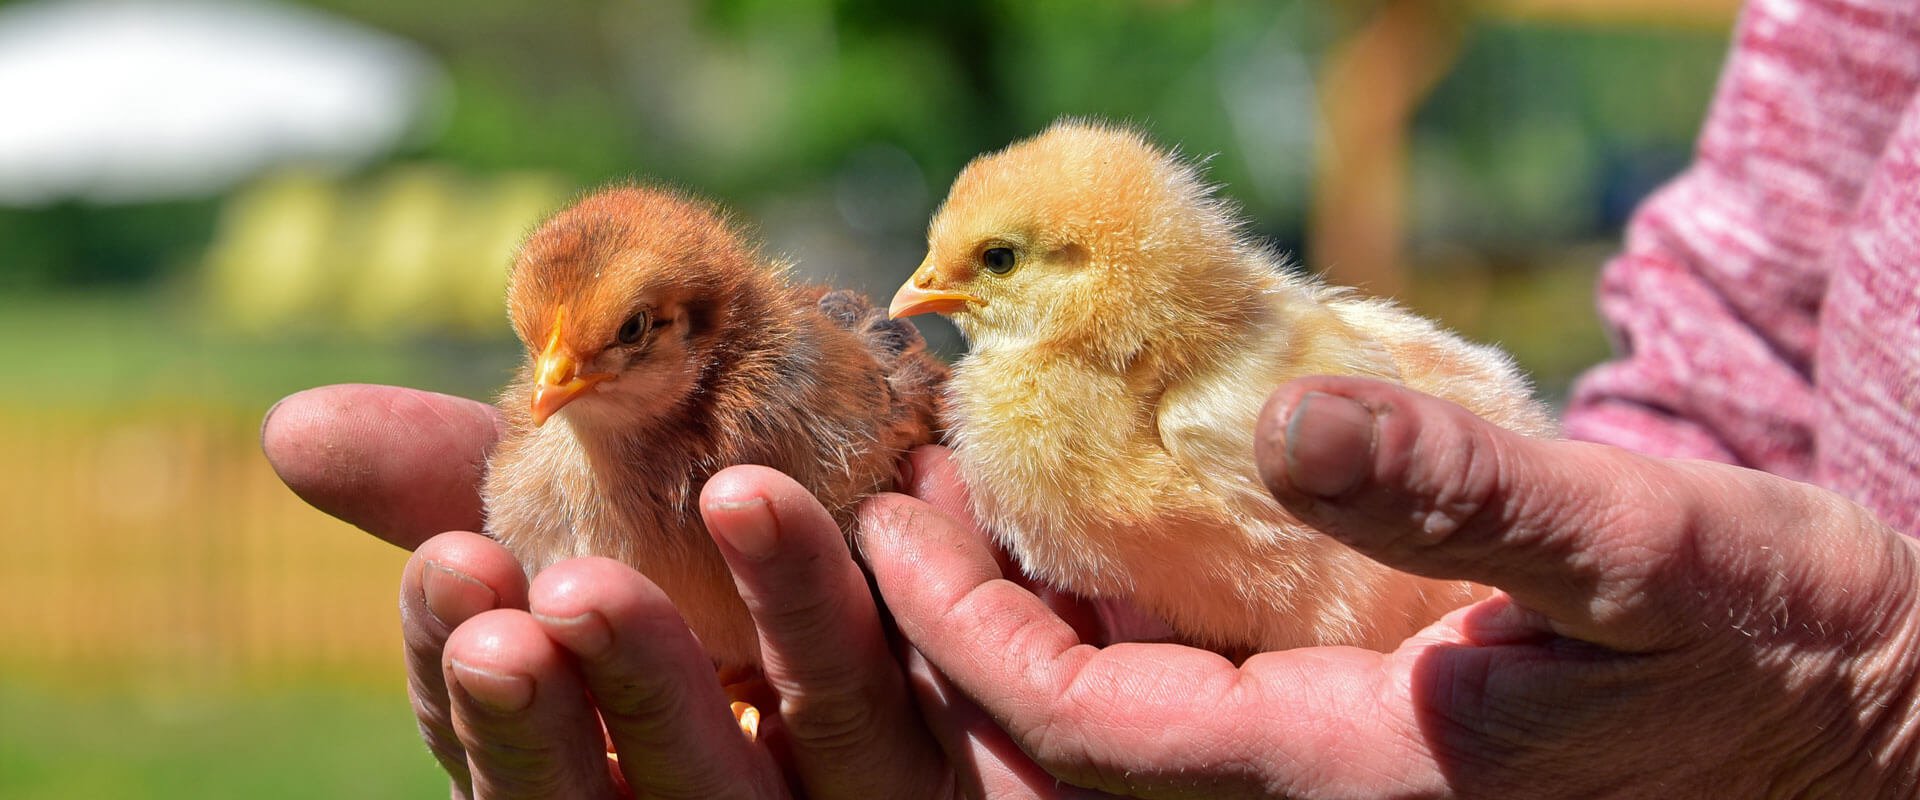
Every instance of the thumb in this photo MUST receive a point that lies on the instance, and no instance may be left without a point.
(1613, 548)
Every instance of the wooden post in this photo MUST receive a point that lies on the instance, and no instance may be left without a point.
(1370, 87)
(1373, 82)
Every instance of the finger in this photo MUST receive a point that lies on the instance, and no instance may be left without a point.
(1130, 718)
(1608, 545)
(655, 687)
(930, 474)
(844, 700)
(448, 580)
(401, 464)
(522, 712)
(987, 762)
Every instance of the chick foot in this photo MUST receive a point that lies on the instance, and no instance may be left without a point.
(748, 717)
(746, 692)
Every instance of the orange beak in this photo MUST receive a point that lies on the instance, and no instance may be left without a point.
(918, 296)
(557, 379)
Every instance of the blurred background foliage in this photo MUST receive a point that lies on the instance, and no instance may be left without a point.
(207, 205)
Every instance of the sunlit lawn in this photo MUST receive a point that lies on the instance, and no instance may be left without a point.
(173, 623)
(289, 743)
(119, 350)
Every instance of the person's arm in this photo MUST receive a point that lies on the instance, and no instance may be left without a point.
(1666, 628)
(1714, 305)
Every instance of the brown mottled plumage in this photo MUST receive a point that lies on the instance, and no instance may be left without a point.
(665, 349)
(1125, 333)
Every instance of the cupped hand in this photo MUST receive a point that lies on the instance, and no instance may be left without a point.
(1671, 629)
(521, 690)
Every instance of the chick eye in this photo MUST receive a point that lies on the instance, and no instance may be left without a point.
(631, 330)
(998, 260)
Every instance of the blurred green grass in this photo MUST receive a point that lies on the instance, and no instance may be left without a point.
(306, 743)
(102, 350)
(176, 624)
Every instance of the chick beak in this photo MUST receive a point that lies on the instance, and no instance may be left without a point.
(919, 296)
(557, 377)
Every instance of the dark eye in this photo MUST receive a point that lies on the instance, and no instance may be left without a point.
(634, 328)
(998, 260)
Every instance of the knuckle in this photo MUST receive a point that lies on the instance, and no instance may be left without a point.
(1460, 481)
(420, 633)
(1053, 733)
(445, 747)
(435, 723)
(843, 724)
(1063, 751)
(1045, 740)
(1485, 489)
(517, 770)
(434, 718)
(804, 618)
(632, 699)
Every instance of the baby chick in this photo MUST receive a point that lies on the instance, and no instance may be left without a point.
(1125, 332)
(662, 348)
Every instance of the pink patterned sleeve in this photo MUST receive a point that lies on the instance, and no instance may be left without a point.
(1715, 303)
(1867, 368)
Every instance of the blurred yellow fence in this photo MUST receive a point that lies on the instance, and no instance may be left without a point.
(156, 548)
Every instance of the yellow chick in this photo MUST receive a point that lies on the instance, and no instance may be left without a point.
(1125, 332)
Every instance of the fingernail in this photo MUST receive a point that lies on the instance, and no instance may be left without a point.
(499, 692)
(1329, 445)
(268, 420)
(453, 597)
(586, 634)
(749, 527)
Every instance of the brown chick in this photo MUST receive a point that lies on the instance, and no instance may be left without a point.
(1125, 332)
(661, 348)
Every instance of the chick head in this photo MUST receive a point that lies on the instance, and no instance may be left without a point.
(1086, 235)
(619, 300)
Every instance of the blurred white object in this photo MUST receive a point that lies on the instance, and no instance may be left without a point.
(121, 101)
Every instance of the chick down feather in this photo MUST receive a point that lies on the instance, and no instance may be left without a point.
(1122, 345)
(716, 358)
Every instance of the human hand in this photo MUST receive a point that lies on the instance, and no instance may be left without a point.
(507, 680)
(1666, 628)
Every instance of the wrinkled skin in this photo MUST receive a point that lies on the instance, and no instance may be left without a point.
(1665, 628)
